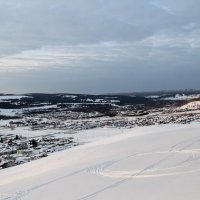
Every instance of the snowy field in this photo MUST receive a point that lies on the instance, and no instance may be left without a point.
(154, 163)
(4, 98)
(15, 112)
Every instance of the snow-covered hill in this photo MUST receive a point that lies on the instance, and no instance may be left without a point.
(191, 106)
(154, 163)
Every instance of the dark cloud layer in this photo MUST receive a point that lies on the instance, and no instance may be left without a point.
(97, 46)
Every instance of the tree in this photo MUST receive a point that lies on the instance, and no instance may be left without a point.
(34, 143)
(17, 137)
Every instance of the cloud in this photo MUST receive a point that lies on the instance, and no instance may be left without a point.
(63, 57)
(173, 40)
(162, 7)
(106, 38)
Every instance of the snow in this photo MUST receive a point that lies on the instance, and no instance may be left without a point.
(9, 97)
(115, 101)
(183, 97)
(40, 108)
(69, 96)
(100, 101)
(191, 106)
(5, 122)
(96, 134)
(27, 132)
(154, 163)
(10, 112)
(89, 100)
(14, 112)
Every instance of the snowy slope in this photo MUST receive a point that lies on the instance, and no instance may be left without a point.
(191, 106)
(154, 163)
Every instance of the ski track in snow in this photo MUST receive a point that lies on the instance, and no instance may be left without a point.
(20, 194)
(124, 176)
(101, 169)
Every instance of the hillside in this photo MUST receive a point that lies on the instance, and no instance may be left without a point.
(158, 162)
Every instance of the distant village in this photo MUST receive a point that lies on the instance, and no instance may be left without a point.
(18, 148)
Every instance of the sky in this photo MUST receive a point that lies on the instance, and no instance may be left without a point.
(99, 46)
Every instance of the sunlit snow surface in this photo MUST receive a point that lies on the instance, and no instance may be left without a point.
(191, 106)
(154, 163)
